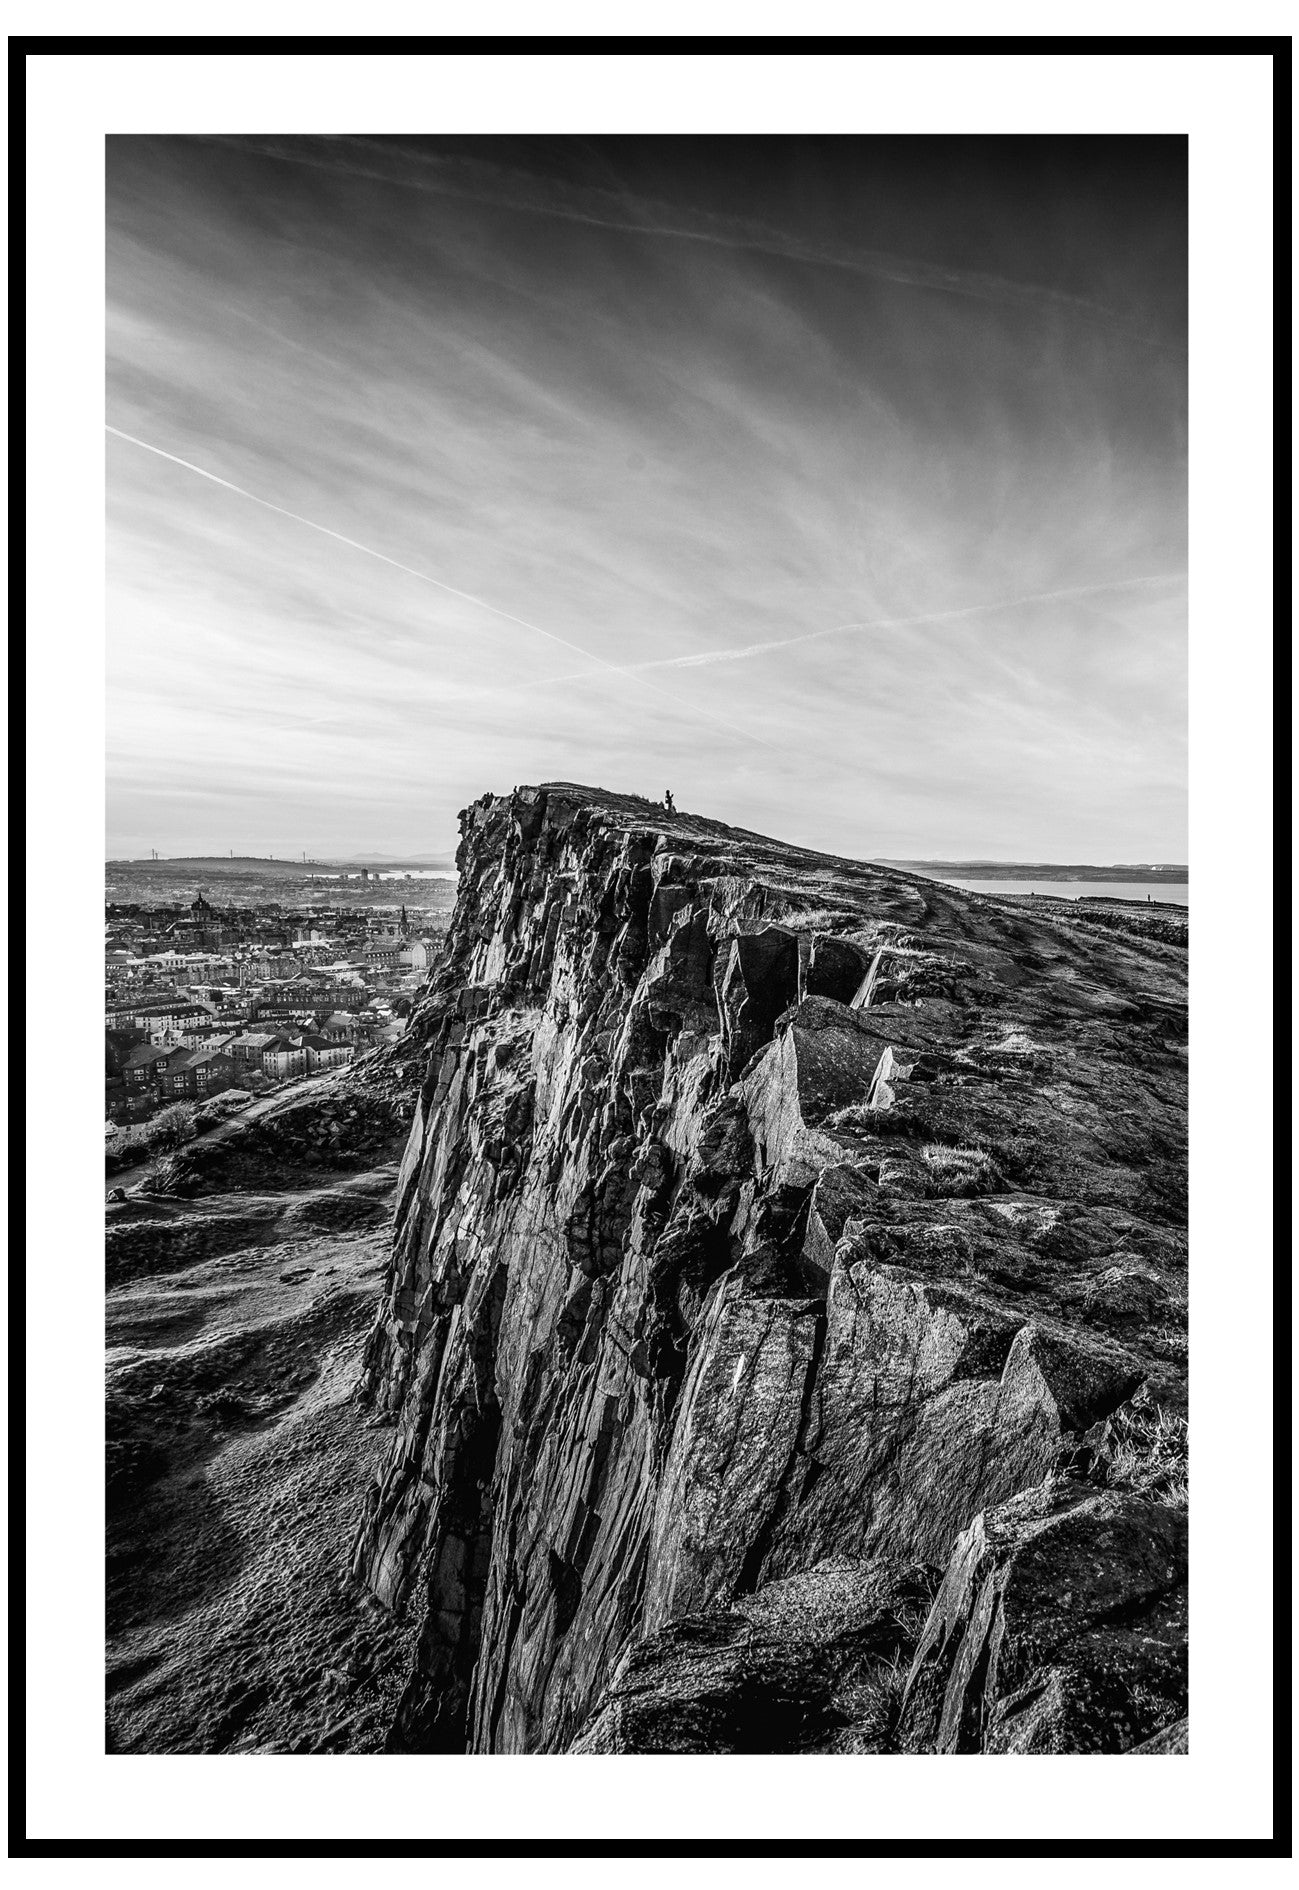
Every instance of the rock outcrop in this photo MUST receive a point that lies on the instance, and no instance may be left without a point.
(786, 1309)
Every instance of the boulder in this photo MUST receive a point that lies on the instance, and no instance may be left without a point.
(1060, 1626)
(811, 1664)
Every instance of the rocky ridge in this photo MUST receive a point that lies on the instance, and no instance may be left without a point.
(784, 1337)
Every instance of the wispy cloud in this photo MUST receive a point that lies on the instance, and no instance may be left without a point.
(505, 188)
(480, 603)
(382, 462)
(703, 659)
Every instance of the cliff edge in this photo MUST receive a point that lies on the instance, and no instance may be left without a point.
(784, 1338)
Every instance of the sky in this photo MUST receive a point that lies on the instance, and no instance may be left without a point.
(837, 484)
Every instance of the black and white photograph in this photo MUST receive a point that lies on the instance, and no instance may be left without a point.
(646, 914)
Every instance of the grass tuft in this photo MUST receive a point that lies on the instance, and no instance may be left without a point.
(1145, 1450)
(957, 1171)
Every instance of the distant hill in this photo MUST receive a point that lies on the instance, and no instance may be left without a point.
(1146, 874)
(223, 863)
(243, 863)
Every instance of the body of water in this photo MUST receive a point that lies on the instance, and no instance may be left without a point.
(1169, 892)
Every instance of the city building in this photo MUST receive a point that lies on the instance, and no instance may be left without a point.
(118, 1045)
(282, 1058)
(246, 1048)
(200, 1073)
(145, 1066)
(324, 1053)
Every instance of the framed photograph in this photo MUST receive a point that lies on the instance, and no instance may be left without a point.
(672, 626)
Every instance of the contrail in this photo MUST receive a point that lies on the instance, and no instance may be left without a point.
(601, 664)
(740, 653)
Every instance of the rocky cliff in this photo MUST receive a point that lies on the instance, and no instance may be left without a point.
(784, 1339)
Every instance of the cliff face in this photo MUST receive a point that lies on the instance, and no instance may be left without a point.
(772, 1230)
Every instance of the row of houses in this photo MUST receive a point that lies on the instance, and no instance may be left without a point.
(160, 1018)
(200, 1026)
(167, 1016)
(396, 955)
(175, 1073)
(178, 1071)
(278, 1055)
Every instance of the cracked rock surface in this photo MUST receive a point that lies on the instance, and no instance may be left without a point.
(784, 1337)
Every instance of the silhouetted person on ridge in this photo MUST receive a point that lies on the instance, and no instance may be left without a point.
(668, 801)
